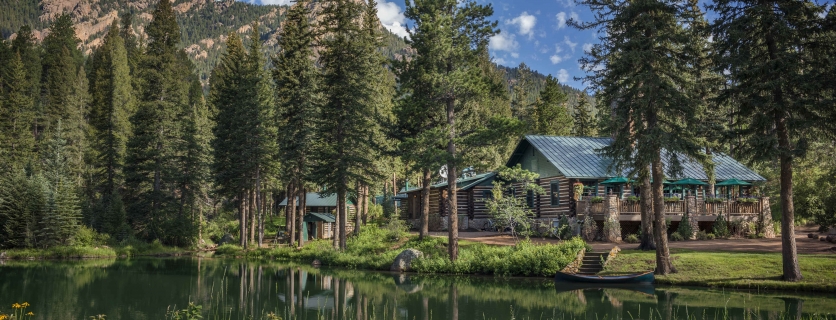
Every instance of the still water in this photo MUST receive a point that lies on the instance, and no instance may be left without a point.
(234, 289)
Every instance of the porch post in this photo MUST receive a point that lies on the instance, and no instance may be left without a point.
(692, 212)
(765, 219)
(612, 224)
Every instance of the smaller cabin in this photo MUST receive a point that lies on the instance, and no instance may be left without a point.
(472, 190)
(319, 215)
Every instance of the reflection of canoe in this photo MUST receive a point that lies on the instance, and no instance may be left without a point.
(646, 277)
(645, 288)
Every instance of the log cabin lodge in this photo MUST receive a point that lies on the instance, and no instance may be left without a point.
(562, 162)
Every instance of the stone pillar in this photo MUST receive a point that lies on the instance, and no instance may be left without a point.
(612, 225)
(692, 213)
(765, 219)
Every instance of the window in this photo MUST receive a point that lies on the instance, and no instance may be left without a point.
(614, 190)
(534, 165)
(529, 198)
(487, 195)
(554, 192)
(590, 188)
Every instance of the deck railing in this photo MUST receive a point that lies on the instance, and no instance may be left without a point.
(678, 207)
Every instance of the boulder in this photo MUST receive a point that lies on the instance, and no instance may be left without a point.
(403, 262)
(227, 238)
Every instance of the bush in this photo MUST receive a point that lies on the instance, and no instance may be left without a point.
(685, 228)
(676, 237)
(721, 228)
(564, 230)
(633, 199)
(672, 199)
(702, 235)
(590, 228)
(632, 238)
(228, 249)
(596, 199)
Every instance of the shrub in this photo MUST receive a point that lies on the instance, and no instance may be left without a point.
(672, 199)
(709, 236)
(632, 238)
(721, 228)
(685, 228)
(228, 249)
(676, 237)
(633, 199)
(596, 199)
(590, 228)
(564, 230)
(702, 235)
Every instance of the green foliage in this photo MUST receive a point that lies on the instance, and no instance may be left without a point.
(676, 237)
(721, 229)
(685, 229)
(565, 229)
(589, 230)
(632, 238)
(550, 112)
(633, 199)
(672, 199)
(511, 211)
(584, 122)
(192, 312)
(596, 199)
(522, 259)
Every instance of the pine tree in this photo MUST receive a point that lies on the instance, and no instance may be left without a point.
(298, 99)
(452, 37)
(653, 110)
(17, 115)
(60, 219)
(346, 117)
(551, 117)
(585, 125)
(521, 104)
(25, 45)
(21, 202)
(765, 49)
(195, 163)
(61, 61)
(152, 152)
(112, 104)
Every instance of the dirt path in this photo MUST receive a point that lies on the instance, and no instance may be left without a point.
(805, 245)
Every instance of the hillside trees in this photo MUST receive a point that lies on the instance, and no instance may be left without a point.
(584, 122)
(298, 99)
(112, 104)
(766, 50)
(551, 117)
(647, 50)
(155, 196)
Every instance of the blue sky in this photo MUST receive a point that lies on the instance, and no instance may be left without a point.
(532, 31)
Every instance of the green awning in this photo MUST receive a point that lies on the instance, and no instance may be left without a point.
(617, 180)
(316, 217)
(690, 182)
(733, 182)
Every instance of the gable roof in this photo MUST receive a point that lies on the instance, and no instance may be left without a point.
(462, 183)
(313, 199)
(576, 157)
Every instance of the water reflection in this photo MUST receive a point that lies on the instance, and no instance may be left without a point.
(228, 289)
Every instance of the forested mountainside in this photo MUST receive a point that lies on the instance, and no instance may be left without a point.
(205, 25)
(539, 82)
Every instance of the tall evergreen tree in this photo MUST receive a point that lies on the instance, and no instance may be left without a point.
(585, 124)
(25, 45)
(648, 58)
(17, 115)
(550, 111)
(61, 216)
(112, 104)
(346, 120)
(521, 104)
(61, 61)
(152, 162)
(298, 99)
(764, 48)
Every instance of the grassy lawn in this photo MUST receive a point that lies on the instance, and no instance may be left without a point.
(732, 269)
(136, 248)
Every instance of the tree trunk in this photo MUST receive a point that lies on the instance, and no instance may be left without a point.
(335, 232)
(290, 214)
(343, 215)
(425, 204)
(453, 218)
(358, 208)
(253, 205)
(300, 217)
(646, 199)
(365, 204)
(663, 257)
(242, 221)
(789, 252)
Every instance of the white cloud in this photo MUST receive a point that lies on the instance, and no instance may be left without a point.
(562, 76)
(587, 47)
(555, 59)
(515, 55)
(569, 43)
(525, 22)
(503, 42)
(567, 3)
(390, 15)
(561, 20)
(277, 2)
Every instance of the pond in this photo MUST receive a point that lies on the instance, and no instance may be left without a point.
(235, 289)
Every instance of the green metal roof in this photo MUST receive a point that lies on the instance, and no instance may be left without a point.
(316, 217)
(577, 157)
(617, 180)
(733, 182)
(316, 200)
(462, 183)
(690, 182)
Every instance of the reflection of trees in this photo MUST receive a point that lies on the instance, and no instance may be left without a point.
(142, 289)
